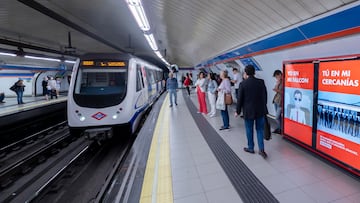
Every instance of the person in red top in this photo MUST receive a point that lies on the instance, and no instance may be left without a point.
(187, 83)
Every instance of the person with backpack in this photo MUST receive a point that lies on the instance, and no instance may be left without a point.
(19, 89)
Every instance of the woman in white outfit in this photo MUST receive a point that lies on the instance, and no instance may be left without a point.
(212, 87)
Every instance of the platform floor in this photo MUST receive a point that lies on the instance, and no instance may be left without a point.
(182, 168)
(11, 106)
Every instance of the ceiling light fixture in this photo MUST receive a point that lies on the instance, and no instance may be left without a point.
(138, 12)
(42, 58)
(68, 61)
(7, 54)
(151, 40)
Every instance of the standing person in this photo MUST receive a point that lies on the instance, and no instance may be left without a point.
(212, 87)
(44, 83)
(252, 100)
(19, 90)
(187, 83)
(225, 87)
(52, 86)
(171, 86)
(2, 97)
(200, 89)
(236, 81)
(277, 100)
(58, 85)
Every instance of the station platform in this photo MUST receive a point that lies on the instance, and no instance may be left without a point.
(191, 160)
(10, 105)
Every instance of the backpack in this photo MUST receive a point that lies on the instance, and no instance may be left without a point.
(13, 88)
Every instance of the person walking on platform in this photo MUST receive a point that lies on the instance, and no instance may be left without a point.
(225, 88)
(171, 87)
(252, 100)
(200, 89)
(19, 89)
(212, 87)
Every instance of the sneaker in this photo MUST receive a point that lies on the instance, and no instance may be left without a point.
(176, 104)
(249, 150)
(223, 128)
(170, 105)
(263, 154)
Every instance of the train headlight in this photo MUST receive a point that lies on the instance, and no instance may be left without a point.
(116, 115)
(82, 118)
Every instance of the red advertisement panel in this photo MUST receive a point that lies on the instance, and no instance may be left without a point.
(340, 76)
(292, 129)
(299, 75)
(298, 101)
(338, 111)
(341, 149)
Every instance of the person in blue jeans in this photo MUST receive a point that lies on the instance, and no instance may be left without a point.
(171, 87)
(19, 90)
(252, 101)
(225, 87)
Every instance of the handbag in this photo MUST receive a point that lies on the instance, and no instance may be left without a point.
(228, 99)
(267, 130)
(220, 102)
(13, 88)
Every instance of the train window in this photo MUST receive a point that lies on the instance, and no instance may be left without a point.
(101, 81)
(139, 78)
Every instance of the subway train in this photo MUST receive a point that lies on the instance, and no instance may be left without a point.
(109, 92)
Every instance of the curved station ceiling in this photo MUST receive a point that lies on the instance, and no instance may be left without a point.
(187, 32)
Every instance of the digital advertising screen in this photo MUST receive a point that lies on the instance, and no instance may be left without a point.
(298, 101)
(338, 111)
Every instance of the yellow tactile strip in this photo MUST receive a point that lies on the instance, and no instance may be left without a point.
(157, 185)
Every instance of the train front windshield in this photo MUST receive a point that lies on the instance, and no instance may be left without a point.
(100, 87)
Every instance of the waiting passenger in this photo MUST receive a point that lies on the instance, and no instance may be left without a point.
(200, 90)
(58, 85)
(252, 101)
(212, 87)
(19, 89)
(52, 85)
(236, 81)
(2, 97)
(171, 87)
(187, 83)
(44, 85)
(225, 88)
(277, 100)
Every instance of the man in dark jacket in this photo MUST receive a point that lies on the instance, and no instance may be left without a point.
(252, 101)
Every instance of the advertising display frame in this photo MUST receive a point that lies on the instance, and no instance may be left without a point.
(298, 101)
(317, 139)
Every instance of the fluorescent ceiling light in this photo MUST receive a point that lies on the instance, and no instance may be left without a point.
(7, 54)
(42, 58)
(158, 54)
(68, 61)
(151, 40)
(138, 12)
